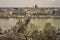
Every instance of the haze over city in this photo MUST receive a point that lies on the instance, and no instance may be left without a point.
(29, 3)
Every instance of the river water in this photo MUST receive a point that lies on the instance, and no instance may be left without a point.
(8, 23)
(40, 23)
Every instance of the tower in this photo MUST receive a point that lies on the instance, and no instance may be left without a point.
(35, 6)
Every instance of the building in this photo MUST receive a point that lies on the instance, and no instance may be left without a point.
(6, 11)
(57, 12)
(36, 11)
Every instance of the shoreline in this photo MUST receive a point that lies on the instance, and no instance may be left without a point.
(39, 17)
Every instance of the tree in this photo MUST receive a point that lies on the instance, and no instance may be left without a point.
(0, 30)
(49, 31)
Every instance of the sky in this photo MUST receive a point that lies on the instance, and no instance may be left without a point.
(29, 3)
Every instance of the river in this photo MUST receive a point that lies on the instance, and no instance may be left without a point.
(8, 23)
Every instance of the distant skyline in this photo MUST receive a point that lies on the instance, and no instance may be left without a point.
(29, 3)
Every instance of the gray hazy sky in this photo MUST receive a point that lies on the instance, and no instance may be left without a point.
(29, 3)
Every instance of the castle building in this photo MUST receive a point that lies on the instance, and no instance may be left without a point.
(38, 11)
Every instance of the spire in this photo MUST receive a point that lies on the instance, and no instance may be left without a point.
(36, 6)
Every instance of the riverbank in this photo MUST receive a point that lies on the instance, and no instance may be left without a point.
(39, 17)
